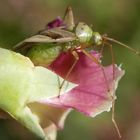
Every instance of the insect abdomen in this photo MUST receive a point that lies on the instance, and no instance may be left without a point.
(44, 54)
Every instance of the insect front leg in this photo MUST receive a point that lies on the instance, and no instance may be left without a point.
(121, 44)
(69, 18)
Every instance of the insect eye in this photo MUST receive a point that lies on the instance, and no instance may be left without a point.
(97, 38)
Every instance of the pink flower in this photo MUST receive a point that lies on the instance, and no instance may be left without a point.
(55, 23)
(91, 96)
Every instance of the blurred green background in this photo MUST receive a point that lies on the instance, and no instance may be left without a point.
(120, 19)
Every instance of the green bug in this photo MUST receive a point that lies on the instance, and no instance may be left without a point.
(67, 38)
(44, 47)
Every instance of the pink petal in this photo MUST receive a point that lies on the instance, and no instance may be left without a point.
(91, 96)
(55, 23)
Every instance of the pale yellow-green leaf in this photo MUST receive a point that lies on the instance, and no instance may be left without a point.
(21, 83)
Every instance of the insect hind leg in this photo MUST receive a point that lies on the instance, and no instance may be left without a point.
(113, 117)
(94, 59)
(113, 96)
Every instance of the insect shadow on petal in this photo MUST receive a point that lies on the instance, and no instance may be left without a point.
(66, 36)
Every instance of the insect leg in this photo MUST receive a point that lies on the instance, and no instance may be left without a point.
(70, 70)
(69, 19)
(94, 59)
(112, 58)
(112, 96)
(101, 50)
(59, 86)
(113, 117)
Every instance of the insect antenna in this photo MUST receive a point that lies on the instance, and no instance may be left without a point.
(121, 44)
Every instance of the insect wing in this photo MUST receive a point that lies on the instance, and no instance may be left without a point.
(59, 32)
(52, 36)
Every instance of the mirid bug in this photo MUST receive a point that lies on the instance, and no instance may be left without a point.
(44, 47)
